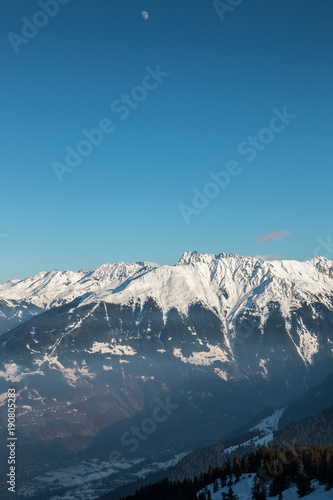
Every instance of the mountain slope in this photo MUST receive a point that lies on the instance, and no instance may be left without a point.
(312, 403)
(316, 429)
(223, 337)
(242, 296)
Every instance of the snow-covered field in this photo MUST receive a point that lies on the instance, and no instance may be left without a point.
(243, 490)
(265, 429)
(88, 480)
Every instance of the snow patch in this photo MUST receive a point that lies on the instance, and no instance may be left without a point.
(116, 350)
(245, 484)
(220, 373)
(204, 358)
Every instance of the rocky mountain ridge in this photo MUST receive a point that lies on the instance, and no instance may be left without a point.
(91, 350)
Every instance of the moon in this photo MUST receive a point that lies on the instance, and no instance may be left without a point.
(145, 15)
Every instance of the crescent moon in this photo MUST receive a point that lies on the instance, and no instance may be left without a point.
(145, 15)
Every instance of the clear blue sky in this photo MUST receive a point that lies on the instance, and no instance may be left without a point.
(225, 78)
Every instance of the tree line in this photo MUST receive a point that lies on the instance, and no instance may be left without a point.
(273, 467)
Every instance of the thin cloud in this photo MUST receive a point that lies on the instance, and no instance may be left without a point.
(274, 235)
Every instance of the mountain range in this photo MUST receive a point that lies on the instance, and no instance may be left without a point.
(215, 339)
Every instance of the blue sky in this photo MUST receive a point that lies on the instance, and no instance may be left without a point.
(224, 78)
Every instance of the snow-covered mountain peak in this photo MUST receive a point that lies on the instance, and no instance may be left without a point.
(53, 288)
(118, 270)
(323, 265)
(194, 257)
(236, 314)
(224, 283)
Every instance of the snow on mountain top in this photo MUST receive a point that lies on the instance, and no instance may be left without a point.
(195, 257)
(224, 282)
(52, 288)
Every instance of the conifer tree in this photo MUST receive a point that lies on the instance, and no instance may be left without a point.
(255, 489)
(259, 490)
(263, 491)
(245, 464)
(210, 470)
(237, 468)
(231, 495)
(278, 485)
(230, 481)
(303, 485)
